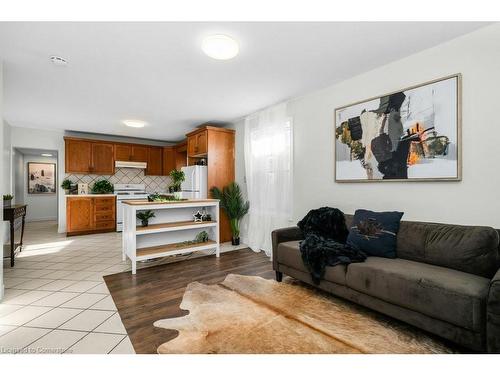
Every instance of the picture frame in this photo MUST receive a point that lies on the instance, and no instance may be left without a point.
(42, 178)
(431, 122)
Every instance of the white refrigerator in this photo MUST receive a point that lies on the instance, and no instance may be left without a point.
(195, 183)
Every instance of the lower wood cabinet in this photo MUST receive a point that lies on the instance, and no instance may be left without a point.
(87, 214)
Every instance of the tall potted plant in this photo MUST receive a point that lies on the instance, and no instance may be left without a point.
(178, 178)
(232, 202)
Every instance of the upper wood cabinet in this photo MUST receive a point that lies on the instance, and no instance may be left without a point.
(102, 158)
(123, 152)
(197, 143)
(140, 153)
(181, 155)
(78, 156)
(168, 159)
(86, 156)
(155, 161)
(130, 152)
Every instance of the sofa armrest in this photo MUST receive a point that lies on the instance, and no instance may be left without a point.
(493, 315)
(284, 235)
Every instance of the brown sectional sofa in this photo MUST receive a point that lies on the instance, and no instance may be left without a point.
(445, 280)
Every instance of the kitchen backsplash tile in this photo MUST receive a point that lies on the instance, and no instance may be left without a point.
(125, 176)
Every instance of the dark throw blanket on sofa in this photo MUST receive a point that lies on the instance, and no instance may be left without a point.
(325, 234)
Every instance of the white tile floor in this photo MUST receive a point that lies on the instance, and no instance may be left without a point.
(56, 300)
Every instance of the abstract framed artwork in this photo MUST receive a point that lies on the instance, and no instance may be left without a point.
(41, 178)
(413, 134)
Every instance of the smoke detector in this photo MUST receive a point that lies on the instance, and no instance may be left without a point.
(58, 60)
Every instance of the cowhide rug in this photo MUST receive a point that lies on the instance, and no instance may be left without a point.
(249, 314)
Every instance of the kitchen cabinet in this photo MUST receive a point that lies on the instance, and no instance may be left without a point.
(86, 156)
(131, 152)
(197, 143)
(123, 152)
(102, 158)
(168, 159)
(140, 153)
(104, 213)
(180, 155)
(155, 161)
(87, 214)
(79, 214)
(216, 146)
(78, 156)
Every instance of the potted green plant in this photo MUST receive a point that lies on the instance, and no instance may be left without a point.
(144, 217)
(66, 185)
(231, 201)
(7, 200)
(178, 178)
(102, 187)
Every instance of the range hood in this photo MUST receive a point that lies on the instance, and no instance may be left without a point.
(130, 164)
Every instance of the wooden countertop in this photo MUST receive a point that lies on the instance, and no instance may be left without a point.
(137, 202)
(89, 195)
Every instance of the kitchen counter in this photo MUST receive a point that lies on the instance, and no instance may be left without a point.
(171, 231)
(90, 213)
(89, 195)
(138, 202)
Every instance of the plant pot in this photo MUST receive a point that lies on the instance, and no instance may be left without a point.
(178, 194)
(145, 223)
(235, 241)
(66, 191)
(7, 203)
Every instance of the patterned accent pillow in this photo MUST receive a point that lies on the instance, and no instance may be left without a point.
(375, 233)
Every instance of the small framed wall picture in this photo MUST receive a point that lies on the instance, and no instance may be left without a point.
(41, 178)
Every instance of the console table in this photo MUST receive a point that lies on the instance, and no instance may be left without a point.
(11, 214)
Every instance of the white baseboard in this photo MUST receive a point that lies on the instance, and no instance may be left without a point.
(31, 220)
(226, 247)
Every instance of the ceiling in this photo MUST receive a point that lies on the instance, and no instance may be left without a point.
(35, 151)
(157, 72)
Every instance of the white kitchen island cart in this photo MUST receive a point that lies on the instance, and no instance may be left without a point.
(171, 231)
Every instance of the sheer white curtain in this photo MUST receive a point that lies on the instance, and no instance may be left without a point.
(268, 169)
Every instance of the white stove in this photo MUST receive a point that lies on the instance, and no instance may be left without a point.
(127, 192)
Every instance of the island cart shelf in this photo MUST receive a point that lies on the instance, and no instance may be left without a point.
(169, 231)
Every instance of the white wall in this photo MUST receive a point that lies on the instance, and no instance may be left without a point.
(45, 140)
(4, 172)
(18, 176)
(474, 200)
(40, 206)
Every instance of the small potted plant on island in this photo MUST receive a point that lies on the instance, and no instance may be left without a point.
(144, 217)
(231, 201)
(7, 200)
(66, 185)
(178, 178)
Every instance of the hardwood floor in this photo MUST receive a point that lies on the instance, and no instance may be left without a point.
(155, 293)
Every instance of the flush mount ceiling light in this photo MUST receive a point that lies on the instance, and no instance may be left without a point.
(47, 155)
(220, 47)
(134, 123)
(58, 60)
